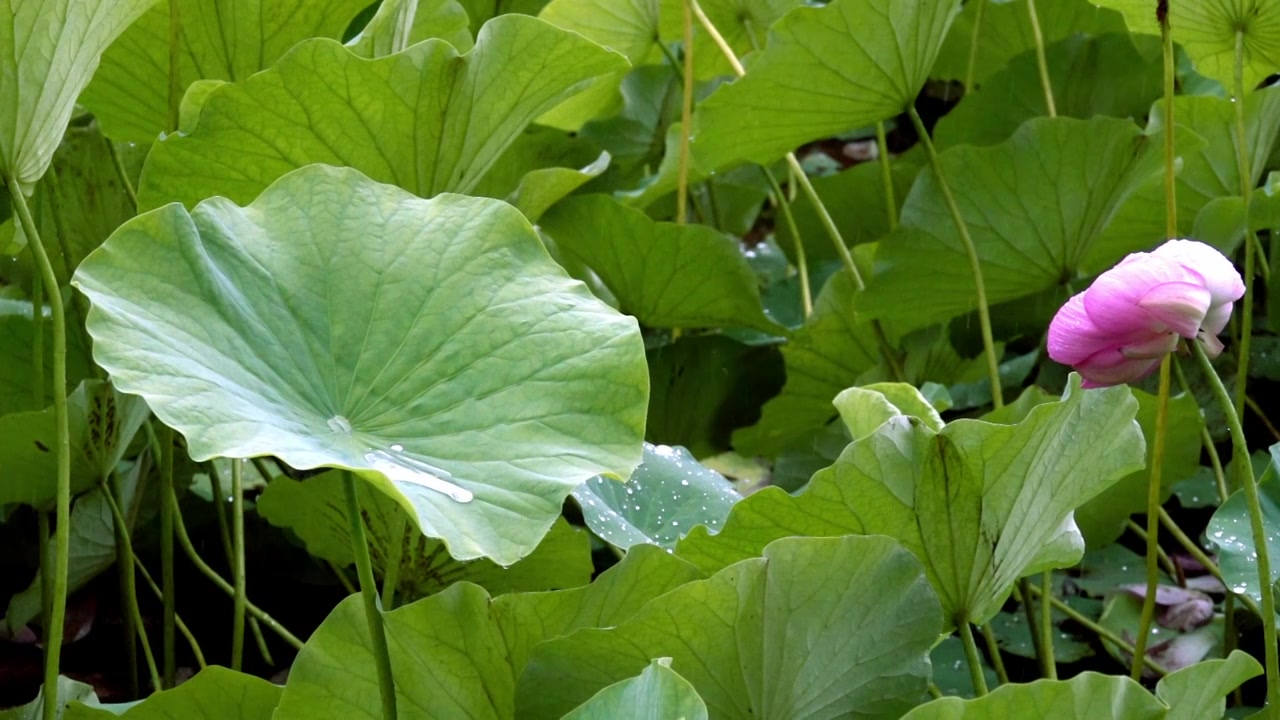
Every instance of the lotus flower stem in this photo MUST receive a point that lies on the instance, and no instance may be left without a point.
(238, 574)
(1048, 661)
(1037, 641)
(1041, 63)
(62, 531)
(369, 591)
(973, 657)
(395, 551)
(128, 589)
(802, 264)
(1206, 440)
(978, 6)
(1244, 478)
(1250, 242)
(886, 177)
(993, 651)
(1153, 522)
(187, 547)
(686, 118)
(1083, 621)
(224, 533)
(975, 265)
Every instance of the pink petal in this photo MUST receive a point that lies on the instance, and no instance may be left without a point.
(1216, 319)
(1111, 368)
(1211, 344)
(1218, 274)
(1073, 336)
(1156, 347)
(1180, 306)
(1112, 300)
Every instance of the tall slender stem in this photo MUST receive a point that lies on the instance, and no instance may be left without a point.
(124, 555)
(1049, 664)
(886, 177)
(175, 80)
(979, 5)
(168, 579)
(993, 651)
(974, 659)
(975, 265)
(802, 263)
(237, 564)
(1041, 63)
(182, 626)
(1244, 478)
(1200, 556)
(187, 547)
(391, 573)
(62, 512)
(129, 599)
(1250, 243)
(686, 117)
(369, 590)
(121, 173)
(1165, 561)
(1028, 609)
(1153, 521)
(1170, 153)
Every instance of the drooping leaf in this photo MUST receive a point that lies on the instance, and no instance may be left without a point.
(980, 504)
(1032, 231)
(796, 633)
(1230, 529)
(659, 271)
(315, 511)
(1087, 696)
(451, 362)
(52, 48)
(825, 70)
(1118, 75)
(1102, 519)
(214, 693)
(426, 119)
(1209, 31)
(658, 693)
(101, 422)
(221, 40)
(444, 19)
(1199, 692)
(1005, 32)
(668, 495)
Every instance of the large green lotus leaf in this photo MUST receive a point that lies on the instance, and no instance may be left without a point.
(1209, 175)
(444, 19)
(1102, 519)
(532, 174)
(635, 136)
(52, 48)
(69, 691)
(798, 633)
(221, 40)
(102, 422)
(1087, 696)
(658, 693)
(1119, 75)
(1209, 30)
(426, 119)
(432, 345)
(214, 693)
(1005, 32)
(315, 511)
(831, 352)
(93, 543)
(17, 369)
(1199, 692)
(1032, 228)
(1231, 531)
(743, 24)
(664, 498)
(628, 26)
(980, 504)
(658, 271)
(458, 653)
(825, 70)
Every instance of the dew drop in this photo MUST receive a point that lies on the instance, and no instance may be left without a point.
(339, 424)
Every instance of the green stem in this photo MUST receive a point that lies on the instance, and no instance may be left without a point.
(37, 341)
(261, 641)
(686, 118)
(182, 626)
(1206, 440)
(62, 512)
(975, 660)
(237, 565)
(391, 573)
(187, 547)
(168, 580)
(364, 566)
(46, 566)
(1153, 522)
(993, 651)
(828, 223)
(975, 266)
(1244, 470)
(1250, 243)
(1200, 555)
(979, 5)
(1041, 63)
(342, 578)
(886, 177)
(1049, 664)
(1166, 562)
(129, 590)
(802, 263)
(1028, 609)
(121, 173)
(1170, 153)
(175, 82)
(1100, 631)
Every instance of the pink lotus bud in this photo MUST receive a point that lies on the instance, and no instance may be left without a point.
(1119, 329)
